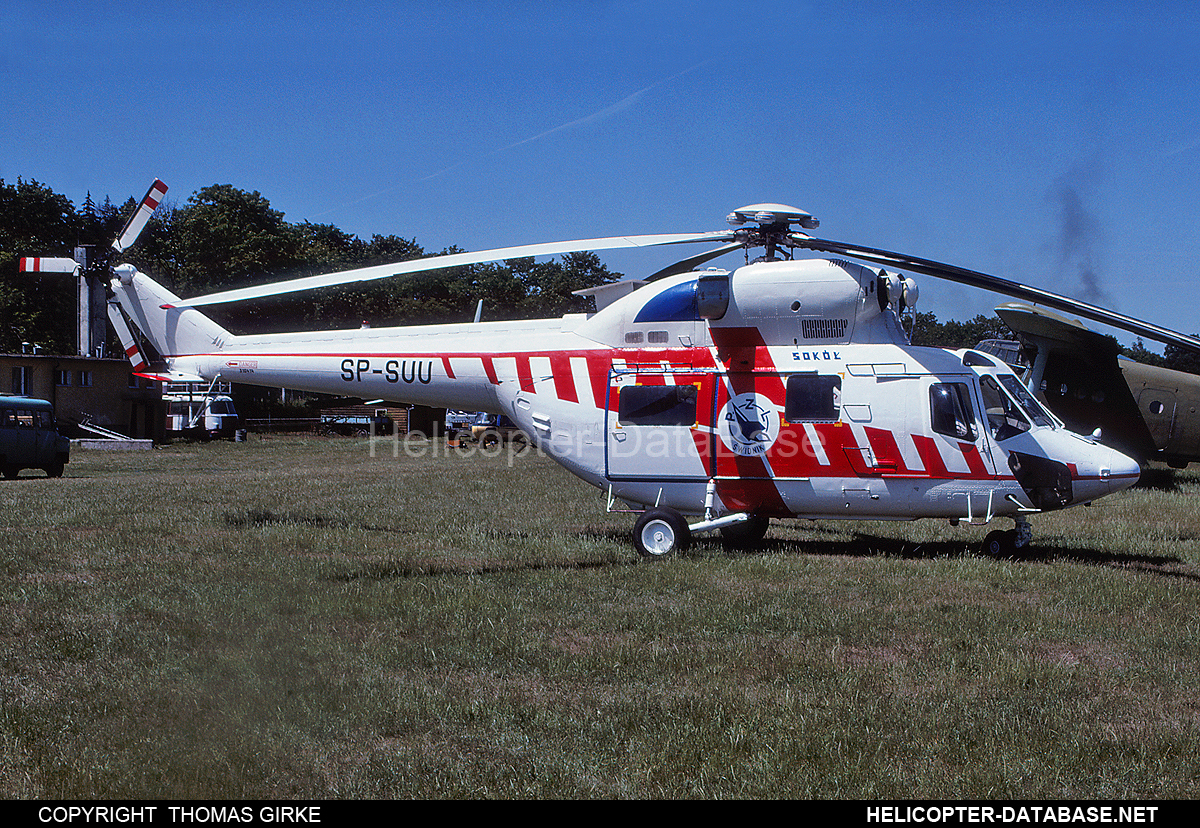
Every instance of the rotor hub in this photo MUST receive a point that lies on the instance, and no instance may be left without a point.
(775, 226)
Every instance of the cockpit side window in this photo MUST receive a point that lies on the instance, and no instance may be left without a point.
(950, 409)
(1004, 416)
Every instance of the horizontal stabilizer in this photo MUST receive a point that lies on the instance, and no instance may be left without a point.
(171, 376)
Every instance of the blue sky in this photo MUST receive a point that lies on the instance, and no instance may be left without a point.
(1041, 142)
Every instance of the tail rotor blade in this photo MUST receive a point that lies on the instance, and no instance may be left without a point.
(136, 223)
(32, 264)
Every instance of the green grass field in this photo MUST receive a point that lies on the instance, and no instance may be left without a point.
(298, 618)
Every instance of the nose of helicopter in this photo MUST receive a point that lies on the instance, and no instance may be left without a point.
(1114, 471)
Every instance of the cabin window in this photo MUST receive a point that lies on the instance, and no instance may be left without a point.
(657, 405)
(812, 397)
(951, 412)
(657, 337)
(633, 337)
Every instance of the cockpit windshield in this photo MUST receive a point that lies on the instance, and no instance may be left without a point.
(1028, 403)
(1011, 410)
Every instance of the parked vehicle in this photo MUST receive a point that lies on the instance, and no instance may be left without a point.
(202, 416)
(458, 425)
(29, 438)
(356, 421)
(490, 430)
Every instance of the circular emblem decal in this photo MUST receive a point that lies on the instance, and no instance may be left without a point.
(749, 424)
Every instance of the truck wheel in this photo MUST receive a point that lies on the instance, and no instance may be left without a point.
(661, 532)
(55, 469)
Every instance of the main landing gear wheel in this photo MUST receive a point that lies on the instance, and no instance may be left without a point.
(661, 532)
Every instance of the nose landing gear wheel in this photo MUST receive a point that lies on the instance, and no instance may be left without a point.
(661, 532)
(1000, 544)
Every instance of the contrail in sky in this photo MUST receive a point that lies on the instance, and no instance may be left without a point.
(608, 111)
(595, 117)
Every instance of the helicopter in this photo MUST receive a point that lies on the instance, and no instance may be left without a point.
(783, 388)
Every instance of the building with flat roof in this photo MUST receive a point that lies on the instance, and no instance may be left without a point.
(93, 390)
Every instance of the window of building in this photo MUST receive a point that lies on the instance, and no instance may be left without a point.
(62, 377)
(85, 379)
(22, 378)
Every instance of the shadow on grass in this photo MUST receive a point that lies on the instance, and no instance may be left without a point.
(265, 517)
(867, 546)
(1158, 479)
(862, 545)
(859, 545)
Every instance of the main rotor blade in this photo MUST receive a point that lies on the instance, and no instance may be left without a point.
(364, 274)
(137, 222)
(694, 262)
(995, 284)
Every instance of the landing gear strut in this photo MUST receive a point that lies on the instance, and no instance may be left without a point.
(660, 531)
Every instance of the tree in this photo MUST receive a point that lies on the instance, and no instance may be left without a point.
(36, 308)
(928, 331)
(1139, 353)
(1178, 358)
(226, 238)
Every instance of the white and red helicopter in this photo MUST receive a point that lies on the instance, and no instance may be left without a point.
(784, 388)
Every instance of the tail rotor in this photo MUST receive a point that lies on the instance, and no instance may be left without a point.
(92, 293)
